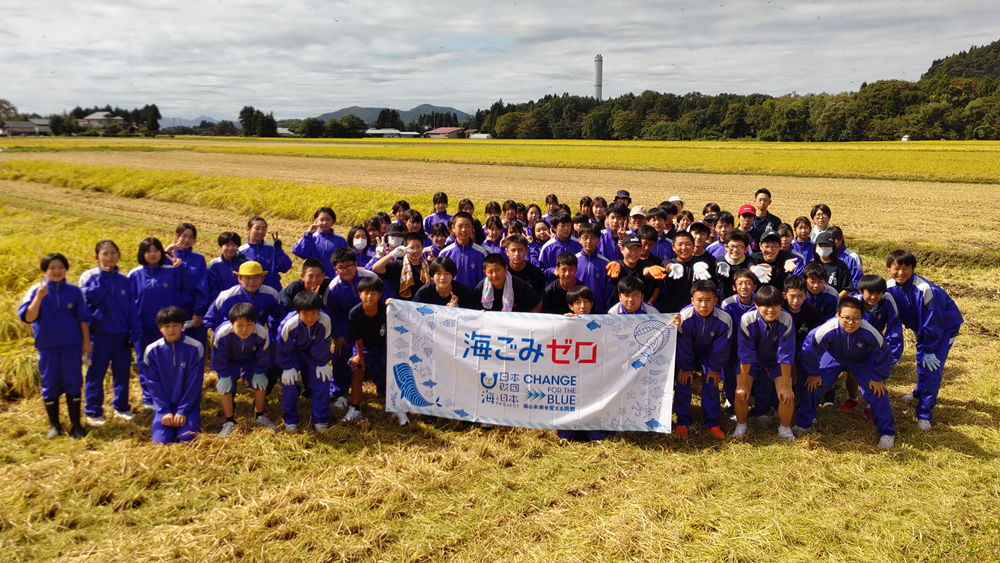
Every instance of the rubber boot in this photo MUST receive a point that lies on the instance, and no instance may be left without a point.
(55, 429)
(73, 406)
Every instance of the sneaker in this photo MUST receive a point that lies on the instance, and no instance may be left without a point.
(908, 397)
(681, 431)
(227, 428)
(741, 430)
(717, 432)
(924, 424)
(786, 433)
(402, 418)
(340, 402)
(868, 413)
(54, 432)
(127, 416)
(485, 425)
(148, 406)
(96, 421)
(849, 405)
(321, 427)
(887, 441)
(264, 421)
(77, 431)
(352, 415)
(290, 428)
(801, 430)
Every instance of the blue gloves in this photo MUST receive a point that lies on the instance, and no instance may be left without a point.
(259, 381)
(931, 362)
(225, 385)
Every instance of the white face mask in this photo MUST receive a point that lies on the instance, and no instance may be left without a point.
(360, 244)
(395, 241)
(824, 251)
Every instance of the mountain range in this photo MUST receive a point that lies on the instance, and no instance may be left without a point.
(369, 115)
(180, 121)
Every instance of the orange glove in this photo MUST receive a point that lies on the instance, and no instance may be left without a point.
(614, 269)
(655, 272)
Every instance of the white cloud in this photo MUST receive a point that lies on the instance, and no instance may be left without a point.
(305, 57)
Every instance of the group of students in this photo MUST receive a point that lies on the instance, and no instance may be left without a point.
(773, 313)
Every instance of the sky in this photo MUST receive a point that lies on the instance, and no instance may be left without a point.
(301, 58)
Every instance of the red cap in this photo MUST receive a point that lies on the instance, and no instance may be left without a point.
(748, 209)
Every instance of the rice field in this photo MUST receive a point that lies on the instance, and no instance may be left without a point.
(446, 491)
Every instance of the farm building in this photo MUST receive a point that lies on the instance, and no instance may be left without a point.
(384, 133)
(446, 133)
(12, 128)
(101, 119)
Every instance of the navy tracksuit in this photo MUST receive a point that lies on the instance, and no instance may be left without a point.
(703, 343)
(340, 298)
(175, 373)
(765, 347)
(273, 260)
(58, 337)
(235, 357)
(304, 348)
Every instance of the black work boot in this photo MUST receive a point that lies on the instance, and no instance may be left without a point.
(55, 429)
(73, 406)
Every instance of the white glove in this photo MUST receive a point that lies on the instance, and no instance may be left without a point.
(931, 362)
(324, 373)
(398, 252)
(380, 249)
(723, 269)
(225, 385)
(762, 271)
(700, 271)
(259, 381)
(289, 377)
(676, 271)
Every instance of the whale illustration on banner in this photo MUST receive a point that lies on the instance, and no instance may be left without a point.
(651, 336)
(408, 386)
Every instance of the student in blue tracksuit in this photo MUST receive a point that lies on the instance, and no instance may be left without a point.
(766, 341)
(59, 319)
(155, 285)
(847, 343)
(821, 295)
(703, 342)
(740, 303)
(846, 255)
(175, 373)
(222, 270)
(342, 296)
(617, 220)
(464, 252)
(114, 330)
(542, 233)
(932, 315)
(195, 300)
(725, 223)
(242, 349)
(562, 241)
(494, 235)
(630, 301)
(320, 241)
(268, 253)
(303, 347)
(802, 244)
(440, 215)
(592, 267)
(251, 289)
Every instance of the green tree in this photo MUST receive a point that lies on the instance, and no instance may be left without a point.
(247, 114)
(153, 125)
(353, 125)
(224, 128)
(311, 127)
(8, 111)
(507, 125)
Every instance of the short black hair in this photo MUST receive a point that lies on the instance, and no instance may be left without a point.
(560, 218)
(872, 284)
(515, 239)
(710, 209)
(566, 258)
(821, 207)
(738, 235)
(803, 220)
(764, 191)
(230, 237)
(343, 255)
(578, 292)
(590, 228)
(170, 315)
(326, 210)
(48, 258)
(581, 218)
(726, 218)
(371, 283)
(440, 197)
(586, 201)
(768, 296)
(796, 282)
(459, 215)
(618, 208)
(254, 219)
(105, 242)
(705, 286)
(901, 257)
(495, 258)
(785, 230)
(439, 229)
(465, 202)
(413, 215)
(492, 208)
(814, 270)
(630, 284)
(552, 198)
(443, 262)
(312, 263)
(656, 213)
(683, 234)
(185, 226)
(703, 227)
(401, 204)
(835, 232)
(515, 228)
(850, 303)
(746, 273)
(668, 207)
(352, 234)
(419, 237)
(145, 245)
(243, 311)
(494, 221)
(646, 232)
(510, 204)
(307, 301)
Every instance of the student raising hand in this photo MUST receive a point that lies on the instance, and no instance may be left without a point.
(174, 260)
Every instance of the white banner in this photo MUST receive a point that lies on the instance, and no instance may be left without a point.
(594, 372)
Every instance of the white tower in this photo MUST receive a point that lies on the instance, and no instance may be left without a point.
(598, 76)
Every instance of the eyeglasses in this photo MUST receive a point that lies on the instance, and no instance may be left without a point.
(346, 268)
(851, 320)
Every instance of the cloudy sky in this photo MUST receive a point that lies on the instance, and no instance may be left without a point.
(304, 57)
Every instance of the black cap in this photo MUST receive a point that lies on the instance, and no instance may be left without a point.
(396, 229)
(631, 240)
(711, 218)
(771, 235)
(824, 238)
(623, 194)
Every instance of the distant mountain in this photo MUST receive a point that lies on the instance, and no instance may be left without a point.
(978, 62)
(369, 115)
(177, 121)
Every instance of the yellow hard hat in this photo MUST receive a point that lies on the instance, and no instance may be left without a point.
(251, 268)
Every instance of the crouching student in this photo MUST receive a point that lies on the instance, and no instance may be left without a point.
(175, 373)
(502, 292)
(443, 289)
(821, 295)
(766, 341)
(630, 291)
(580, 300)
(303, 347)
(367, 330)
(242, 350)
(59, 319)
(930, 313)
(805, 316)
(114, 330)
(703, 335)
(847, 343)
(882, 313)
(554, 296)
(745, 284)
